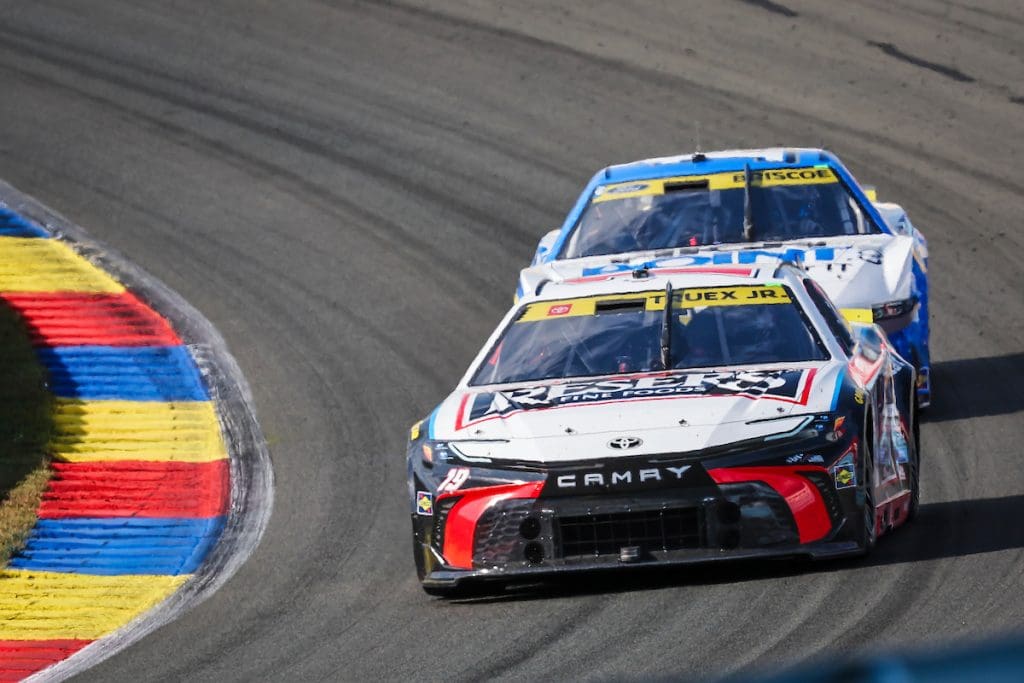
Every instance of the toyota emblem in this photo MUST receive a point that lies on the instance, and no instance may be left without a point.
(624, 442)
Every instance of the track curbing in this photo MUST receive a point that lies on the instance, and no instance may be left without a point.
(249, 501)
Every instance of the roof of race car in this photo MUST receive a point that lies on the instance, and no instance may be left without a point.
(716, 162)
(643, 280)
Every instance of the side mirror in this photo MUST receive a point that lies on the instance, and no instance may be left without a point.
(544, 246)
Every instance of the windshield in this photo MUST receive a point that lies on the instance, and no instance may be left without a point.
(624, 333)
(693, 211)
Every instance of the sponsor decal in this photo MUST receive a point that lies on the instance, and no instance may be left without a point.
(844, 476)
(424, 503)
(801, 458)
(456, 477)
(745, 257)
(873, 256)
(624, 442)
(559, 309)
(622, 189)
(788, 176)
(414, 431)
(844, 472)
(791, 386)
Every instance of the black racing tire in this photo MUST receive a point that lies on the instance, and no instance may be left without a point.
(869, 530)
(914, 462)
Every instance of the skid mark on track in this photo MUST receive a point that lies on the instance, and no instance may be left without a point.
(772, 7)
(941, 69)
(477, 220)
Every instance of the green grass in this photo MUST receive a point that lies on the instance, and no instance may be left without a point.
(26, 422)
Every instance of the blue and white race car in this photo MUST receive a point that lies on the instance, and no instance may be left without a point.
(745, 207)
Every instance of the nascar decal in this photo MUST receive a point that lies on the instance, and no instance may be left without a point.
(789, 386)
(729, 180)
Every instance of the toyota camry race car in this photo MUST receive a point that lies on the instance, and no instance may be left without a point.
(664, 417)
(752, 206)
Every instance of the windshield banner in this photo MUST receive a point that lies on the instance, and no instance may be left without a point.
(730, 180)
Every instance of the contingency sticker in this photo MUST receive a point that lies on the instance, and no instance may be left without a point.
(424, 503)
(845, 473)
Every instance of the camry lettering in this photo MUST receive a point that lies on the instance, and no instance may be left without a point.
(599, 479)
(650, 474)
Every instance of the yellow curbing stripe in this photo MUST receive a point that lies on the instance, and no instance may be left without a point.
(56, 606)
(32, 264)
(89, 431)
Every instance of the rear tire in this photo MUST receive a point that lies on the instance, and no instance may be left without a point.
(914, 461)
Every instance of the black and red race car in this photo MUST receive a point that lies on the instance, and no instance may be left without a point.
(664, 417)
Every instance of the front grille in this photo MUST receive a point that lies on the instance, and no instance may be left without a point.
(497, 539)
(652, 530)
(441, 510)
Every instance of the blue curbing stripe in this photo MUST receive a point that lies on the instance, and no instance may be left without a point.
(13, 225)
(158, 373)
(119, 546)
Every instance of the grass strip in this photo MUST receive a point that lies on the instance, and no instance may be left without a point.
(26, 423)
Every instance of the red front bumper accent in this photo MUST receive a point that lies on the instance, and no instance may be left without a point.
(461, 523)
(803, 497)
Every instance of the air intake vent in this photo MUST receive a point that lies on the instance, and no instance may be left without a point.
(651, 530)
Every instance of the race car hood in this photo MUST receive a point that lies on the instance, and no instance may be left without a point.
(856, 271)
(657, 413)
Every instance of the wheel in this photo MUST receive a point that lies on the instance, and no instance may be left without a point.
(914, 460)
(869, 532)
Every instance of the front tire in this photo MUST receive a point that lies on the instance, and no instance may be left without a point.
(869, 530)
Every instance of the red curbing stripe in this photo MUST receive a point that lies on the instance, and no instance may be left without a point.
(137, 489)
(22, 658)
(78, 319)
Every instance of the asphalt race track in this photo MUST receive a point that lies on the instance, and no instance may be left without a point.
(347, 189)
